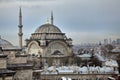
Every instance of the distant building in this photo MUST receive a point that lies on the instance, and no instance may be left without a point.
(113, 42)
(118, 41)
(105, 41)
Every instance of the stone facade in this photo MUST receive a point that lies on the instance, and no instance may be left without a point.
(18, 63)
(23, 75)
(76, 76)
(5, 74)
(3, 63)
(14, 66)
(17, 59)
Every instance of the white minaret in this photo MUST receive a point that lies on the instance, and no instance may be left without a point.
(51, 17)
(20, 34)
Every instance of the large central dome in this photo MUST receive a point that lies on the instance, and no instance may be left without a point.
(48, 28)
(48, 31)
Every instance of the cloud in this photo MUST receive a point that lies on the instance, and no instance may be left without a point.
(26, 3)
(23, 0)
(82, 20)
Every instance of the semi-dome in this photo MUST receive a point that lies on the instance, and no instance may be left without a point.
(5, 44)
(48, 28)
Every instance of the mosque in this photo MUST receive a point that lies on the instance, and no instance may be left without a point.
(53, 49)
(48, 41)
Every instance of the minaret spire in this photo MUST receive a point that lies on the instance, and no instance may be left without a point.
(52, 17)
(20, 17)
(20, 34)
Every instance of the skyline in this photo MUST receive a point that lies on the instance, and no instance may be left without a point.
(82, 20)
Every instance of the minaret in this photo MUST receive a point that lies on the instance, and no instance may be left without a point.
(20, 34)
(51, 17)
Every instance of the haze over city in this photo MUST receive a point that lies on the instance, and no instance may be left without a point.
(82, 20)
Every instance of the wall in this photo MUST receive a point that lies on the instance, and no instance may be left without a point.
(2, 63)
(23, 74)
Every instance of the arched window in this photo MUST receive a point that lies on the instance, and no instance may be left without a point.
(57, 53)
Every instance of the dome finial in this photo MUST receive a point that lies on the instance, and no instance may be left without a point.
(47, 22)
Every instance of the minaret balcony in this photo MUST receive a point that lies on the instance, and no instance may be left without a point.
(20, 34)
(20, 26)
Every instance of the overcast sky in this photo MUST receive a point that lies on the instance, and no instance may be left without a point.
(82, 20)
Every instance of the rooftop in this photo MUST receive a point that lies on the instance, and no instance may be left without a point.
(6, 71)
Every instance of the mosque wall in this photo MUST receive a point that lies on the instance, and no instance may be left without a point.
(3, 63)
(23, 75)
(8, 78)
(18, 60)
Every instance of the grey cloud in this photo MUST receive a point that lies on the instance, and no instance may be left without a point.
(89, 16)
(35, 0)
